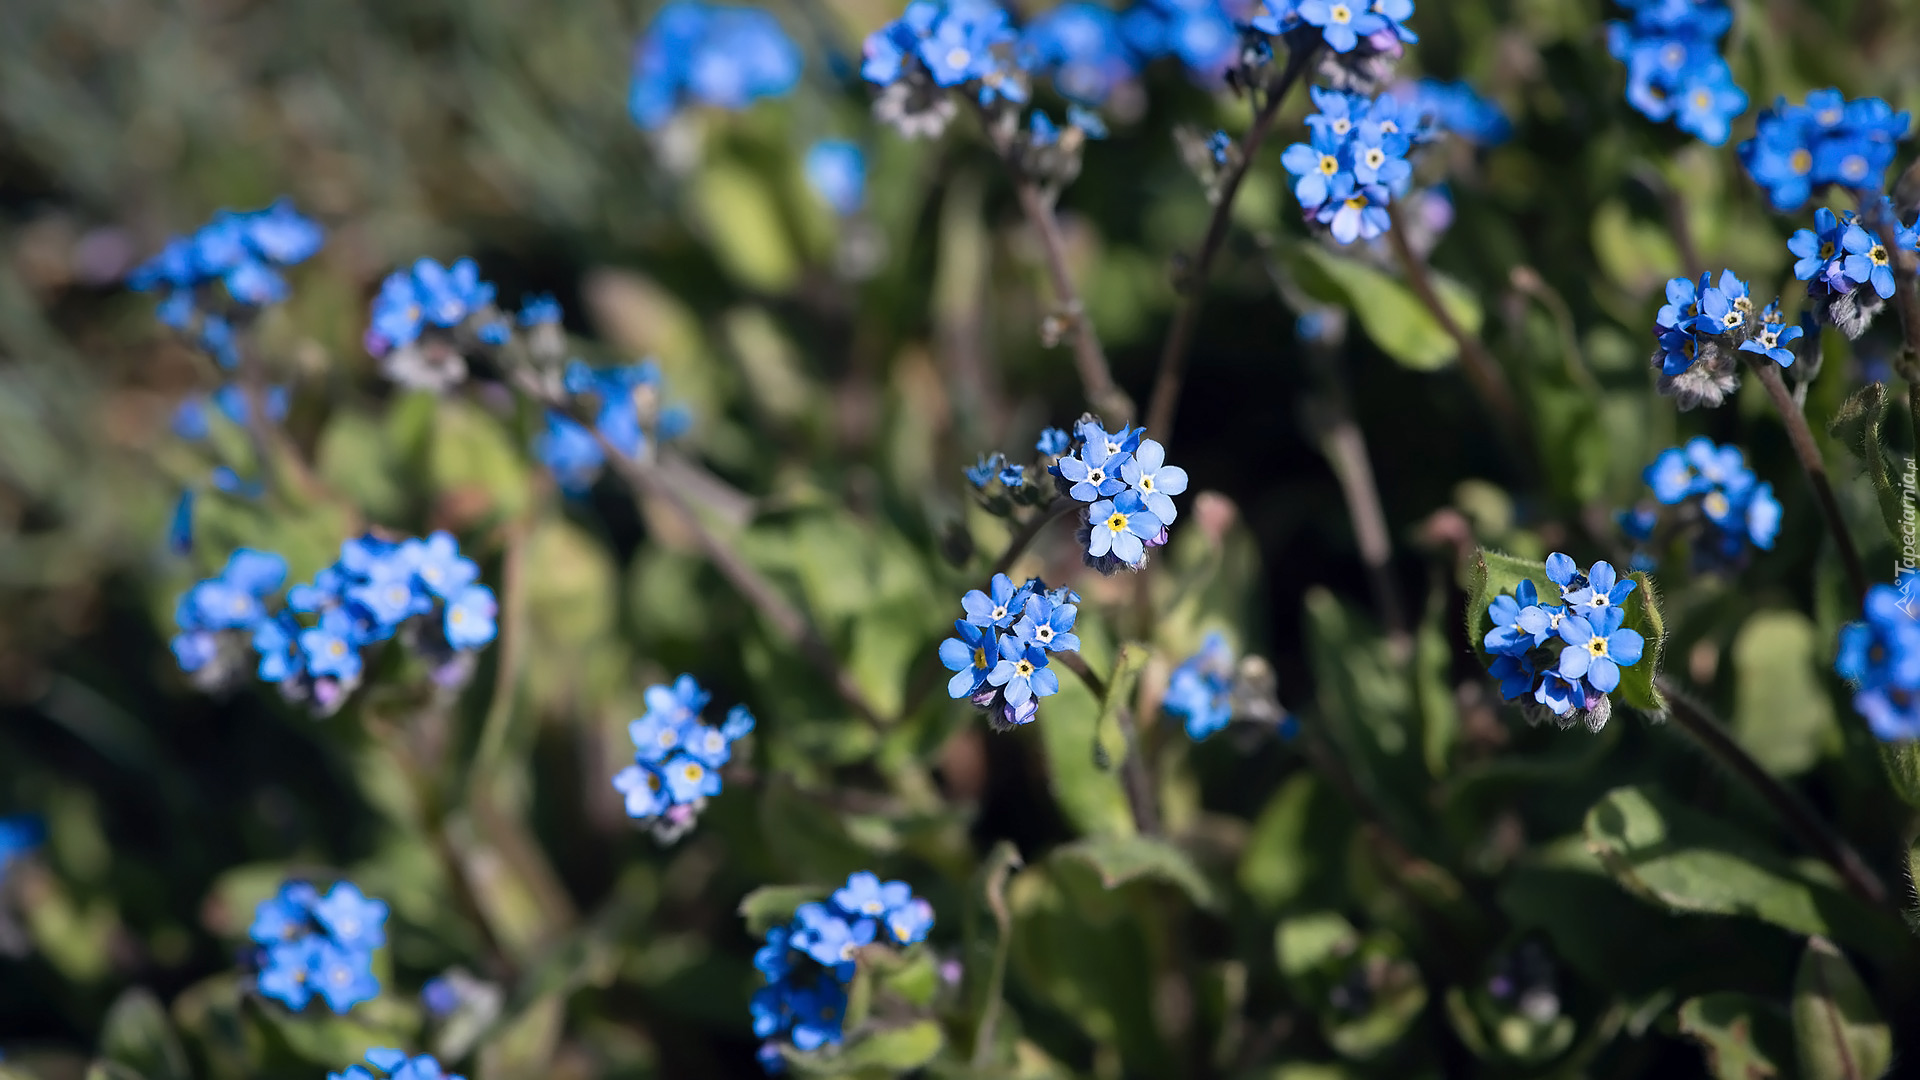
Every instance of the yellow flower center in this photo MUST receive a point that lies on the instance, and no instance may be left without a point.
(1376, 158)
(980, 656)
(338, 648)
(693, 772)
(1117, 521)
(1329, 164)
(1023, 669)
(1878, 254)
(1715, 504)
(1341, 14)
(1358, 202)
(1801, 162)
(959, 58)
(1597, 647)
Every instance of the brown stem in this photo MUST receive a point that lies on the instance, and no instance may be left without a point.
(1173, 354)
(1136, 780)
(1029, 530)
(787, 620)
(1806, 824)
(1481, 368)
(1808, 452)
(1106, 397)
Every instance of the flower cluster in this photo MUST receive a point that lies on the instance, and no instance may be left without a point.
(1210, 689)
(1846, 264)
(1355, 161)
(1001, 648)
(630, 414)
(708, 54)
(1363, 38)
(20, 834)
(677, 758)
(428, 319)
(1203, 34)
(397, 1066)
(1701, 331)
(1674, 68)
(1880, 655)
(1128, 487)
(1458, 109)
(423, 591)
(808, 962)
(308, 944)
(243, 251)
(1711, 484)
(937, 45)
(1567, 657)
(1829, 140)
(1086, 49)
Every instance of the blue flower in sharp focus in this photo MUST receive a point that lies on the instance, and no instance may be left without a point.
(1342, 23)
(1598, 648)
(1515, 674)
(1772, 338)
(1095, 472)
(999, 606)
(971, 656)
(1048, 625)
(1022, 672)
(1518, 621)
(1155, 480)
(1121, 526)
(1603, 591)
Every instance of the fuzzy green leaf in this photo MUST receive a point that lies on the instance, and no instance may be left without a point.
(1730, 1029)
(1119, 860)
(1389, 311)
(1858, 426)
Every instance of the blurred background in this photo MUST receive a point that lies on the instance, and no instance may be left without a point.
(841, 371)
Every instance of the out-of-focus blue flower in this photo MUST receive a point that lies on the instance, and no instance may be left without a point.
(1674, 69)
(309, 944)
(1200, 690)
(1797, 149)
(1053, 442)
(20, 835)
(677, 757)
(397, 1065)
(1202, 34)
(426, 295)
(1456, 108)
(1737, 512)
(1080, 46)
(1880, 655)
(696, 53)
(242, 250)
(837, 171)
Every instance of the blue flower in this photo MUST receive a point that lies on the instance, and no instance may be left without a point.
(343, 977)
(1317, 164)
(1601, 592)
(832, 941)
(709, 746)
(983, 471)
(1154, 480)
(1355, 212)
(1012, 476)
(1094, 473)
(837, 172)
(1053, 442)
(1121, 526)
(1829, 140)
(865, 894)
(1519, 622)
(643, 791)
(1563, 571)
(286, 915)
(818, 1013)
(1672, 478)
(708, 54)
(540, 310)
(1709, 100)
(1022, 672)
(910, 922)
(1771, 338)
(287, 972)
(689, 779)
(1456, 107)
(1047, 625)
(971, 657)
(318, 946)
(1341, 23)
(1721, 309)
(659, 734)
(1599, 648)
(1515, 673)
(1201, 689)
(998, 607)
(469, 622)
(1080, 45)
(329, 647)
(351, 919)
(738, 724)
(398, 1066)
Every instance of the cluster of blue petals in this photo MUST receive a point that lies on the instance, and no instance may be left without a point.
(677, 757)
(1880, 656)
(1566, 657)
(1355, 161)
(695, 53)
(395, 1065)
(1128, 488)
(1458, 109)
(836, 170)
(243, 251)
(1000, 651)
(1724, 315)
(1842, 253)
(1342, 24)
(808, 962)
(1087, 50)
(428, 295)
(423, 590)
(951, 42)
(630, 415)
(309, 945)
(1713, 482)
(1797, 149)
(1674, 68)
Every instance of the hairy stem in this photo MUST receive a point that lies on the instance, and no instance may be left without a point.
(1105, 395)
(1481, 368)
(1173, 354)
(1029, 530)
(1801, 436)
(1805, 823)
(787, 620)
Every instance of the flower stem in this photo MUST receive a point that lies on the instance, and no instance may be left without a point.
(788, 621)
(1481, 368)
(1029, 530)
(1105, 395)
(1860, 880)
(1801, 436)
(1173, 354)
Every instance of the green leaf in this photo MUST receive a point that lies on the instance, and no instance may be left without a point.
(1119, 860)
(773, 905)
(1494, 574)
(1692, 862)
(1731, 1028)
(744, 223)
(1306, 943)
(1390, 312)
(1902, 764)
(1837, 1032)
(1858, 426)
(138, 1035)
(1643, 617)
(1091, 797)
(473, 463)
(897, 1050)
(1782, 714)
(1126, 674)
(1297, 844)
